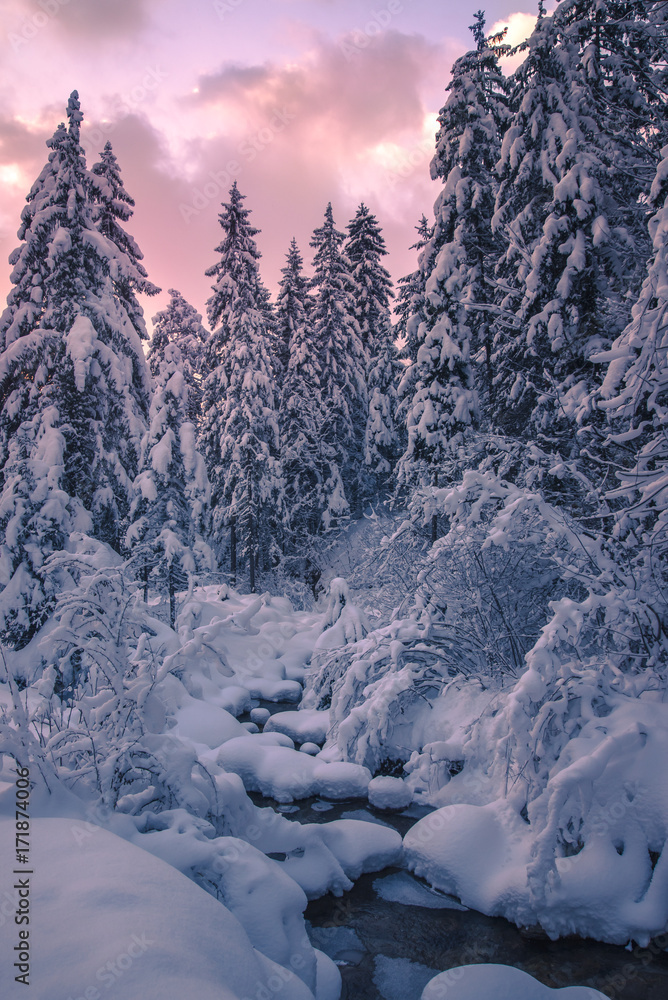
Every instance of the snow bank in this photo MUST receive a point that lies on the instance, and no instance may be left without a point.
(105, 914)
(503, 982)
(590, 857)
(285, 774)
(307, 726)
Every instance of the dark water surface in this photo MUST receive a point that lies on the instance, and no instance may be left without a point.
(373, 939)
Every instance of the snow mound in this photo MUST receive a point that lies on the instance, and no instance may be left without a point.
(590, 857)
(260, 716)
(125, 927)
(307, 726)
(389, 793)
(203, 723)
(273, 690)
(502, 982)
(285, 774)
(477, 853)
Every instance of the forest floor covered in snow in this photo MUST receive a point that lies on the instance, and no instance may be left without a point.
(186, 810)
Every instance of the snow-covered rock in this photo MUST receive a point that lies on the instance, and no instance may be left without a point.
(260, 716)
(502, 982)
(306, 726)
(389, 793)
(285, 774)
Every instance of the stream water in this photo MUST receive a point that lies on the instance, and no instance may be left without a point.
(388, 949)
(391, 933)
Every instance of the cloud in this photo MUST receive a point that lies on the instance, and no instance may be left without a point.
(97, 19)
(344, 93)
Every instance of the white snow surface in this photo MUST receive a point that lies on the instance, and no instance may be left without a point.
(105, 914)
(307, 726)
(607, 886)
(500, 982)
(389, 793)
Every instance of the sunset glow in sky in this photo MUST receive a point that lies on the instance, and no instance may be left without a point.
(302, 101)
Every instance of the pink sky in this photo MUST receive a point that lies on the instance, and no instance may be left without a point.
(302, 101)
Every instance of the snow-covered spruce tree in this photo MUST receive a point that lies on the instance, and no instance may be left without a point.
(74, 385)
(409, 312)
(292, 305)
(114, 206)
(635, 395)
(302, 419)
(181, 324)
(171, 490)
(457, 262)
(239, 435)
(372, 289)
(344, 396)
(567, 210)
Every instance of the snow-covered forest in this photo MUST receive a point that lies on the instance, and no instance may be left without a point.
(404, 548)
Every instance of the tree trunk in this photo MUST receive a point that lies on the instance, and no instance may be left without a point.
(233, 551)
(251, 546)
(172, 601)
(434, 517)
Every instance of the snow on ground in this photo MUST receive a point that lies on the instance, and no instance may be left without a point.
(106, 916)
(307, 726)
(284, 774)
(500, 982)
(609, 880)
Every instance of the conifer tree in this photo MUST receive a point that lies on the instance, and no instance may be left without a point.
(410, 312)
(170, 489)
(305, 468)
(181, 324)
(114, 206)
(74, 386)
(563, 210)
(239, 434)
(337, 335)
(635, 389)
(456, 262)
(372, 288)
(292, 305)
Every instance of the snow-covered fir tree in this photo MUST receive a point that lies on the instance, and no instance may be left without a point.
(635, 390)
(409, 313)
(114, 206)
(456, 262)
(75, 388)
(171, 489)
(570, 260)
(372, 289)
(239, 435)
(337, 335)
(302, 416)
(292, 304)
(181, 324)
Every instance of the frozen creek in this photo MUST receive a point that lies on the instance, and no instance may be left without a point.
(391, 933)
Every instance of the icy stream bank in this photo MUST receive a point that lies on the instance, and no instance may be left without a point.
(391, 933)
